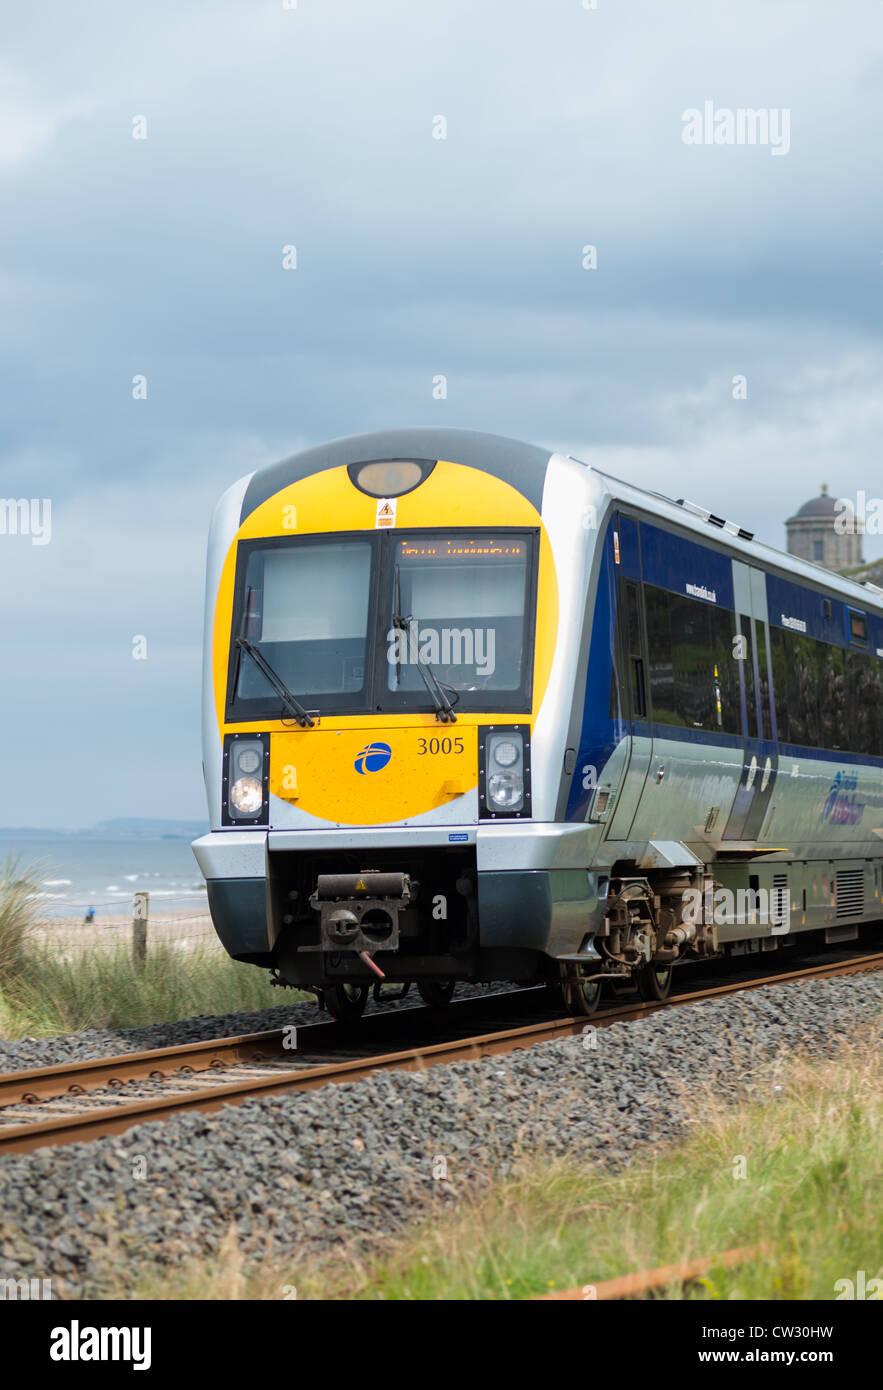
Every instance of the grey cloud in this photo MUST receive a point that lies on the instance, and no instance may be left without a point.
(415, 256)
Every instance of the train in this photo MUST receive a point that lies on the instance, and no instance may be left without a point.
(475, 710)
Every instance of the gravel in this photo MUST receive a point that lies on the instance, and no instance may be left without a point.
(92, 1043)
(299, 1173)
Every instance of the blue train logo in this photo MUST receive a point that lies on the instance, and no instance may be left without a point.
(842, 806)
(373, 758)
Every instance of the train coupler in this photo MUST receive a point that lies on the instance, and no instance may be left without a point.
(360, 912)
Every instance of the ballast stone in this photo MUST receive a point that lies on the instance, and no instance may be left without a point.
(205, 1173)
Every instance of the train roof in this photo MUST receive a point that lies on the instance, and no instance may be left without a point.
(737, 540)
(524, 466)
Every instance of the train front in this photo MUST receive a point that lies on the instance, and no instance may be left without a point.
(381, 634)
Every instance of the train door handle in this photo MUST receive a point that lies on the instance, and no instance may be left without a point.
(660, 772)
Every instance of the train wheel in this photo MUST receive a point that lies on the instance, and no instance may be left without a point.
(581, 997)
(346, 1002)
(654, 981)
(436, 993)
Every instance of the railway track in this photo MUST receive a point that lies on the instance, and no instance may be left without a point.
(79, 1101)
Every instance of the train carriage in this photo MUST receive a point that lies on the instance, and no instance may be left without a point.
(474, 710)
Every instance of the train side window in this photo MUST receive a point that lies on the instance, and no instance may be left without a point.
(748, 672)
(635, 651)
(632, 618)
(764, 729)
(781, 684)
(858, 627)
(694, 680)
(863, 688)
(661, 672)
(725, 670)
(629, 684)
(829, 674)
(827, 695)
(691, 654)
(804, 688)
(619, 664)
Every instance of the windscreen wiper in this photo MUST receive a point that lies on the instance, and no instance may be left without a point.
(444, 710)
(289, 702)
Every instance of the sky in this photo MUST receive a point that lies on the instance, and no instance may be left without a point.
(314, 124)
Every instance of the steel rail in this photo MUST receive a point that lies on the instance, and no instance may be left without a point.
(115, 1118)
(74, 1078)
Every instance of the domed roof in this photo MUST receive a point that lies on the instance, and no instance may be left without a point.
(821, 506)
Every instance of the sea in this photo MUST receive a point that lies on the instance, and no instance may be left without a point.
(76, 873)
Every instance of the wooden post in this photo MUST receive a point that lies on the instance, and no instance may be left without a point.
(139, 930)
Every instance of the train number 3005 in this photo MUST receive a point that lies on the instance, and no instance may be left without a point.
(439, 745)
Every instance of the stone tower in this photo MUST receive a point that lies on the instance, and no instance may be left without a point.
(812, 535)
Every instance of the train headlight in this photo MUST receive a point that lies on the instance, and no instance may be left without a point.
(505, 768)
(247, 796)
(248, 760)
(390, 477)
(246, 765)
(506, 753)
(505, 790)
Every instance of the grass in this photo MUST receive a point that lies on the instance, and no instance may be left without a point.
(99, 987)
(17, 889)
(812, 1162)
(44, 991)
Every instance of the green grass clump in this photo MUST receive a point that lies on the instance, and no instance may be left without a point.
(47, 989)
(811, 1154)
(100, 987)
(18, 887)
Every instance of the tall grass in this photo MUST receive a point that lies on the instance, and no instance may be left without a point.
(18, 887)
(45, 990)
(99, 987)
(812, 1165)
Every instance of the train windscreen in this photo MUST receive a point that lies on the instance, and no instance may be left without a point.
(358, 623)
(306, 608)
(460, 603)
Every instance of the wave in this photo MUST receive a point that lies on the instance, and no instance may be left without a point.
(57, 882)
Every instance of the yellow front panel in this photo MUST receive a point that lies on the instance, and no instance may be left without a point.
(372, 773)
